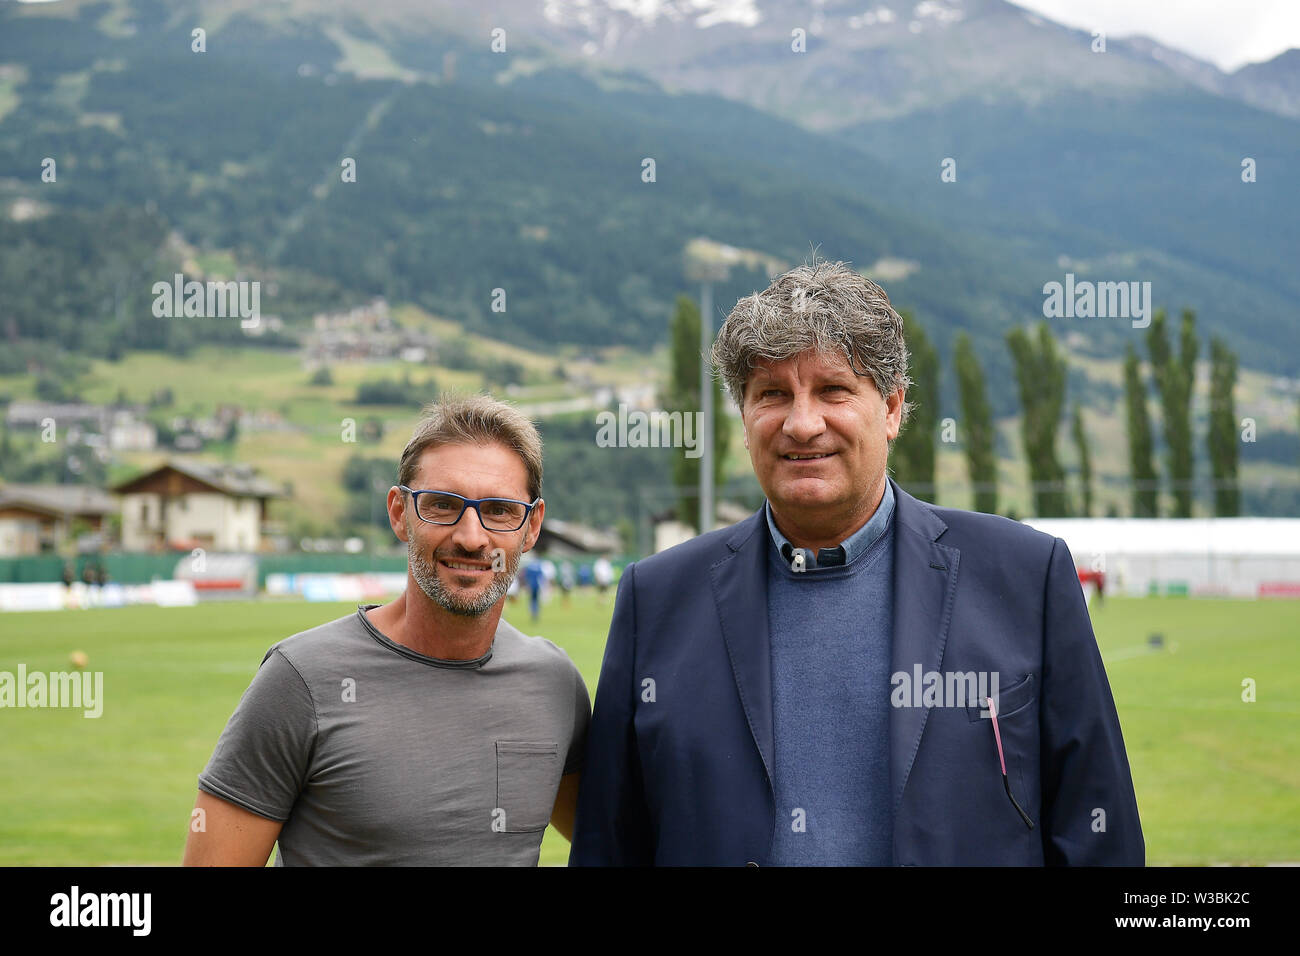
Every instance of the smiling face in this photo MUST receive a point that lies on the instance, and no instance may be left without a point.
(452, 564)
(818, 436)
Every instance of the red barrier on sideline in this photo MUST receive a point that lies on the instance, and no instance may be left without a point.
(219, 584)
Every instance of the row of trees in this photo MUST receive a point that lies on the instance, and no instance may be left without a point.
(1041, 380)
(1175, 376)
(1041, 375)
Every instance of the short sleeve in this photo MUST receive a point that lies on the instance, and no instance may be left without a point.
(581, 721)
(262, 757)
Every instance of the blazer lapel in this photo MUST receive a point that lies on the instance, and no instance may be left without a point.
(925, 582)
(740, 591)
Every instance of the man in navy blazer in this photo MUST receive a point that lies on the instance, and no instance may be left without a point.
(850, 676)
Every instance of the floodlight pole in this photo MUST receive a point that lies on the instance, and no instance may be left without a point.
(706, 263)
(706, 408)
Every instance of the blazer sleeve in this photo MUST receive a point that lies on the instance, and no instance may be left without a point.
(1090, 814)
(612, 825)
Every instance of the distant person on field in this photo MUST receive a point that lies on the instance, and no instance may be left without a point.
(426, 731)
(603, 572)
(549, 575)
(568, 579)
(536, 577)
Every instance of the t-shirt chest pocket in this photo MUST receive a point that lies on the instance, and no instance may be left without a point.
(528, 777)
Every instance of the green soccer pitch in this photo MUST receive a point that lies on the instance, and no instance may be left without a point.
(1217, 778)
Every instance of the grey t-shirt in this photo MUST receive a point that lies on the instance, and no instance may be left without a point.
(372, 754)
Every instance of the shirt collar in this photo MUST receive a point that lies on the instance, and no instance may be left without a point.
(849, 550)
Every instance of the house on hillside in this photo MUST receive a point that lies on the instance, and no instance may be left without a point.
(191, 505)
(669, 531)
(105, 427)
(568, 539)
(38, 519)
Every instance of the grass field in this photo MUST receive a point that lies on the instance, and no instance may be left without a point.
(1218, 779)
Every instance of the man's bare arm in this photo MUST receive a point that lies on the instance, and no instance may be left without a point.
(566, 803)
(231, 836)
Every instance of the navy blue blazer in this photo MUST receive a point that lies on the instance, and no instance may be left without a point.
(679, 753)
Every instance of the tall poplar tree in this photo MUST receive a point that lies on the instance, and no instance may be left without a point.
(1085, 462)
(684, 396)
(914, 450)
(1040, 375)
(1175, 375)
(1141, 471)
(1222, 438)
(979, 434)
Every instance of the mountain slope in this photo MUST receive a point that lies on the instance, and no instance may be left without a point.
(515, 174)
(522, 170)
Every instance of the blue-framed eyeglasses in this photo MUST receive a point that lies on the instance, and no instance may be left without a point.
(445, 507)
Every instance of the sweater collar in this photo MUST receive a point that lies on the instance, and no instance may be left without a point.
(848, 551)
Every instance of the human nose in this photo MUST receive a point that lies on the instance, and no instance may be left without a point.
(469, 533)
(805, 421)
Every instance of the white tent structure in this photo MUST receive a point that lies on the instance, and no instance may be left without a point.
(1219, 557)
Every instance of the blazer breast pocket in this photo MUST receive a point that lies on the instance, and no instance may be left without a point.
(528, 776)
(1008, 702)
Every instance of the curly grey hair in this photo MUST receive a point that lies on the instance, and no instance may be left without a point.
(825, 306)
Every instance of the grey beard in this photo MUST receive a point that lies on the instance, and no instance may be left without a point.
(426, 576)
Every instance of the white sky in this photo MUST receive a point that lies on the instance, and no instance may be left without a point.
(1228, 33)
(1248, 31)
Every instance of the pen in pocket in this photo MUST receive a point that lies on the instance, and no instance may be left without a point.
(1006, 784)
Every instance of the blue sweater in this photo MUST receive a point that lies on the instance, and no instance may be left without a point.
(831, 635)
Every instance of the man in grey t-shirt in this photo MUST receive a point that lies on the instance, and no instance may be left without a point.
(426, 731)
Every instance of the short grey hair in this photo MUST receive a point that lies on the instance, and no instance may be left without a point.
(474, 419)
(824, 306)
